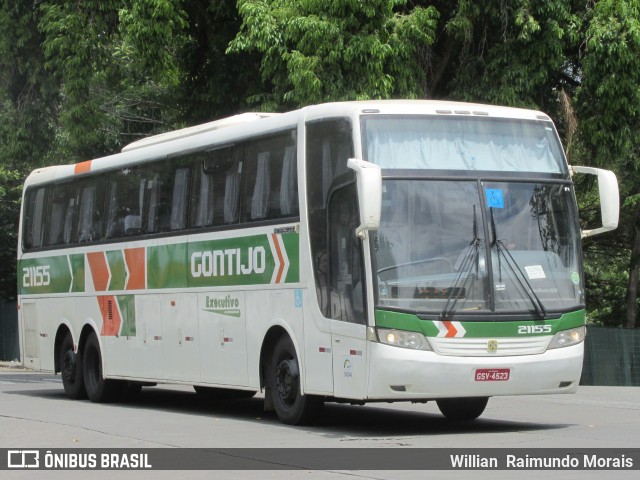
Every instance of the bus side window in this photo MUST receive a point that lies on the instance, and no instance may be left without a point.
(34, 218)
(88, 229)
(179, 199)
(270, 178)
(125, 203)
(216, 187)
(61, 214)
(289, 183)
(167, 188)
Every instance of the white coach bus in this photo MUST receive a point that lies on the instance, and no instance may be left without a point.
(358, 251)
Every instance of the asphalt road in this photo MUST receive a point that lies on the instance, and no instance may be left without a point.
(34, 413)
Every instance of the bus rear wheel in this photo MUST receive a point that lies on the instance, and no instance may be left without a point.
(290, 405)
(71, 369)
(99, 389)
(462, 409)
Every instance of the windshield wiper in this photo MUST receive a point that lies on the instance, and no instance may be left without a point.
(503, 251)
(470, 259)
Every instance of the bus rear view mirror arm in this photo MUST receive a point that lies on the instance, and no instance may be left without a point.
(369, 182)
(609, 199)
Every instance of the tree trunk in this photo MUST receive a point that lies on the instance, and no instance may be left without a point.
(631, 303)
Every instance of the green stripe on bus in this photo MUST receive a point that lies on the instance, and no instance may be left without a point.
(128, 313)
(222, 263)
(77, 267)
(252, 260)
(115, 259)
(478, 329)
(45, 275)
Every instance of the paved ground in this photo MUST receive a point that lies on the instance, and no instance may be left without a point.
(34, 413)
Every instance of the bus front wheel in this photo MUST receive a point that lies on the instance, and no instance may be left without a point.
(98, 388)
(290, 405)
(71, 369)
(462, 409)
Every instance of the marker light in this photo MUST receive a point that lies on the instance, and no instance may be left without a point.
(404, 339)
(567, 338)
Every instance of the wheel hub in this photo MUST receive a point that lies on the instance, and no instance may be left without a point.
(287, 380)
(69, 365)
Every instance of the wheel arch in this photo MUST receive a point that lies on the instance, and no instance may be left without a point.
(63, 330)
(78, 340)
(269, 341)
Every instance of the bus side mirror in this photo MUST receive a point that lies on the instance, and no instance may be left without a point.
(609, 199)
(369, 182)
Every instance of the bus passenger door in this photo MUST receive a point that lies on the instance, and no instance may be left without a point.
(346, 296)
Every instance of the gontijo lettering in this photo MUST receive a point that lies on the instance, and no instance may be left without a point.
(230, 261)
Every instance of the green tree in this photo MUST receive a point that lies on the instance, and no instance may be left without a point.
(609, 107)
(81, 79)
(317, 50)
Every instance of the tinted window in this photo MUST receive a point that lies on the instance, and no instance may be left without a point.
(270, 183)
(125, 203)
(33, 225)
(167, 189)
(216, 188)
(90, 210)
(61, 212)
(331, 201)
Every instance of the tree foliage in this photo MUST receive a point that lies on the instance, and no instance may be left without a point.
(81, 79)
(314, 51)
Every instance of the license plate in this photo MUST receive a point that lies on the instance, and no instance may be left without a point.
(492, 374)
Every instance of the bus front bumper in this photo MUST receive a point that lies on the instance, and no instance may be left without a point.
(404, 374)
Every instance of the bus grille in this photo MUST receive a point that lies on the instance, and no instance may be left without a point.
(490, 347)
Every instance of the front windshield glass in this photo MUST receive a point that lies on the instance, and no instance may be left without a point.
(470, 246)
(462, 143)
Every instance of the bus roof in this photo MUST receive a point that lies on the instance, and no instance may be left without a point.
(190, 131)
(242, 126)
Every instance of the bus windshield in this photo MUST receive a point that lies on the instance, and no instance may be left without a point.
(470, 246)
(462, 143)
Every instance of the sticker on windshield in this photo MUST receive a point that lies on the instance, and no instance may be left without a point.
(575, 278)
(535, 272)
(495, 198)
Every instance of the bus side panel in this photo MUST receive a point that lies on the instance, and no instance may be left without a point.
(134, 345)
(223, 338)
(318, 366)
(147, 351)
(180, 337)
(265, 309)
(30, 327)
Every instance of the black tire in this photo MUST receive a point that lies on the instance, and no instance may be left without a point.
(70, 364)
(283, 380)
(462, 409)
(223, 393)
(99, 389)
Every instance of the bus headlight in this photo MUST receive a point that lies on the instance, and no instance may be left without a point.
(567, 338)
(404, 339)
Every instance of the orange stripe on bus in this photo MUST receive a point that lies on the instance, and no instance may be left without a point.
(111, 320)
(136, 266)
(280, 257)
(451, 329)
(82, 167)
(99, 270)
